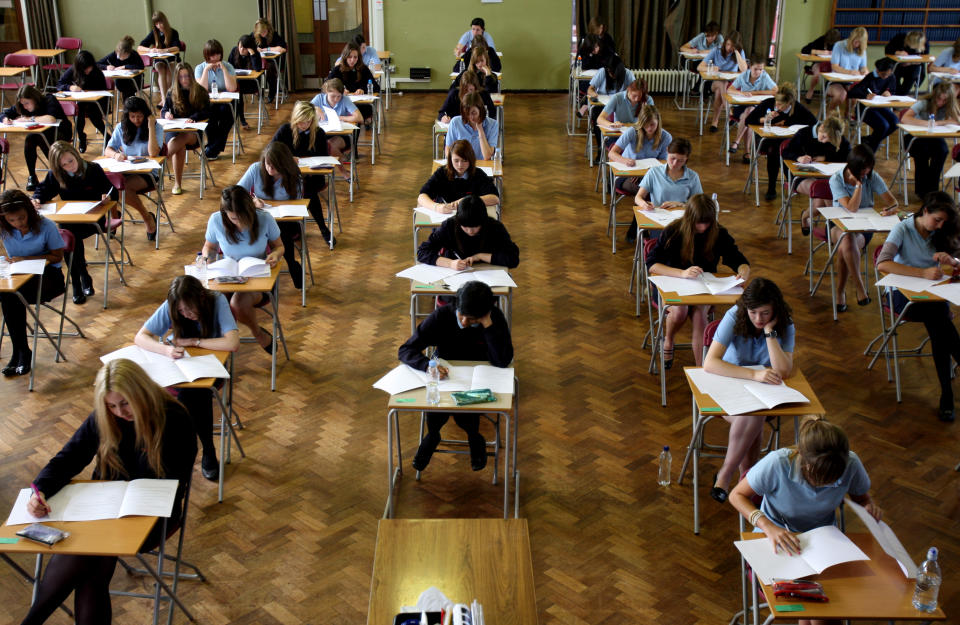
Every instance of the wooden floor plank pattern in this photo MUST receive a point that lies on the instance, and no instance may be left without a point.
(293, 540)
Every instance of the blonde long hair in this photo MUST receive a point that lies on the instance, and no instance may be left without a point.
(648, 114)
(148, 403)
(834, 126)
(303, 111)
(859, 34)
(57, 151)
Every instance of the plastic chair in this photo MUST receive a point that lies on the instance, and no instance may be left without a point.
(160, 208)
(16, 60)
(4, 162)
(64, 43)
(461, 446)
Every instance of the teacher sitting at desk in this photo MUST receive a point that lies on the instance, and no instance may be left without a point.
(472, 329)
(688, 247)
(136, 431)
(918, 246)
(238, 229)
(193, 316)
(758, 330)
(26, 235)
(471, 236)
(458, 178)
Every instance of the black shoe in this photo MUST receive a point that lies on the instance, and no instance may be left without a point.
(864, 302)
(8, 371)
(427, 446)
(632, 235)
(31, 183)
(296, 276)
(714, 128)
(79, 298)
(210, 467)
(944, 414)
(88, 290)
(81, 142)
(269, 346)
(770, 195)
(213, 157)
(805, 230)
(152, 236)
(478, 452)
(22, 365)
(842, 308)
(326, 237)
(718, 494)
(746, 159)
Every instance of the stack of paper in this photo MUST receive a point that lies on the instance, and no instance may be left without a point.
(404, 378)
(946, 76)
(863, 219)
(603, 99)
(824, 168)
(705, 283)
(443, 125)
(318, 161)
(77, 208)
(118, 73)
(158, 55)
(642, 164)
(723, 76)
(83, 95)
(243, 72)
(167, 371)
(909, 57)
(285, 210)
(736, 396)
(949, 291)
(23, 123)
(909, 283)
(664, 217)
(225, 95)
(34, 266)
(937, 130)
(92, 501)
(330, 121)
(820, 549)
(182, 123)
(435, 217)
(364, 98)
(588, 73)
(882, 99)
(746, 98)
(491, 277)
(115, 166)
(427, 274)
(49, 208)
(838, 77)
(781, 131)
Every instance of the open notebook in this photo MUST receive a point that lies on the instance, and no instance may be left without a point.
(459, 378)
(167, 371)
(820, 549)
(92, 501)
(736, 396)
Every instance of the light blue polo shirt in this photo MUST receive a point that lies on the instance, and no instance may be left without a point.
(791, 502)
(841, 57)
(599, 82)
(459, 129)
(621, 109)
(662, 188)
(724, 63)
(628, 145)
(34, 243)
(268, 231)
(215, 75)
(946, 60)
(252, 181)
(912, 249)
(159, 323)
(700, 42)
(922, 110)
(763, 83)
(745, 350)
(872, 186)
(467, 38)
(139, 146)
(343, 108)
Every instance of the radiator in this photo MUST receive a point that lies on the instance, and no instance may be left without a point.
(660, 80)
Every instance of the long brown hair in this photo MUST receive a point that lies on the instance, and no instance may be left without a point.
(472, 100)
(14, 201)
(29, 92)
(477, 53)
(345, 69)
(640, 85)
(950, 107)
(148, 402)
(761, 292)
(57, 151)
(262, 32)
(463, 149)
(160, 16)
(237, 200)
(699, 209)
(649, 113)
(191, 292)
(823, 450)
(197, 98)
(280, 158)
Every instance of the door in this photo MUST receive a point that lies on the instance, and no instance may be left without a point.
(335, 22)
(12, 36)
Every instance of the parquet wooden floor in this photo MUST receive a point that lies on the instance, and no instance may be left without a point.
(293, 540)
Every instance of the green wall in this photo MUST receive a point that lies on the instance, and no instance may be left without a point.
(534, 36)
(101, 23)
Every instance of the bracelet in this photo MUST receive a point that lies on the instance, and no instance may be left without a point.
(197, 344)
(755, 517)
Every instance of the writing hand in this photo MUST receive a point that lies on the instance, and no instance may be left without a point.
(445, 119)
(175, 351)
(444, 372)
(804, 159)
(272, 259)
(7, 121)
(38, 508)
(119, 156)
(35, 202)
(111, 67)
(932, 273)
(767, 376)
(782, 539)
(75, 88)
(889, 211)
(459, 264)
(692, 272)
(616, 125)
(168, 115)
(631, 162)
(886, 93)
(257, 202)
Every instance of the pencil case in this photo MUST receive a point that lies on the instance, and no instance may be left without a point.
(40, 533)
(479, 396)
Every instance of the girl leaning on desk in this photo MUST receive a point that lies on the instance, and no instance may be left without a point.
(193, 316)
(469, 83)
(124, 56)
(27, 235)
(758, 330)
(473, 125)
(32, 105)
(84, 75)
(268, 40)
(918, 246)
(821, 46)
(470, 236)
(239, 230)
(136, 430)
(460, 177)
(823, 143)
(245, 55)
(186, 98)
(688, 247)
(74, 179)
(139, 135)
(929, 153)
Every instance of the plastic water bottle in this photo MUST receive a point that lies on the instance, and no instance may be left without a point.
(433, 383)
(5, 268)
(369, 87)
(214, 88)
(201, 264)
(498, 161)
(931, 123)
(766, 121)
(579, 67)
(461, 67)
(716, 204)
(928, 582)
(663, 476)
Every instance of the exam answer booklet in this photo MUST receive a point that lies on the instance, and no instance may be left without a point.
(404, 378)
(92, 501)
(168, 371)
(701, 285)
(886, 538)
(820, 549)
(736, 396)
(226, 267)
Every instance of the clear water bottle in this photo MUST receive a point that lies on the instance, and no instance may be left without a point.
(433, 383)
(214, 87)
(766, 121)
(663, 476)
(928, 582)
(498, 161)
(461, 67)
(5, 268)
(931, 123)
(579, 66)
(716, 204)
(369, 87)
(201, 264)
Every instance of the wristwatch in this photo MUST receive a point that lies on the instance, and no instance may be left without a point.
(771, 334)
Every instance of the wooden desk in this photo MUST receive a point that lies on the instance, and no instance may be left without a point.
(420, 289)
(304, 250)
(681, 93)
(607, 133)
(279, 59)
(158, 189)
(266, 285)
(753, 173)
(803, 59)
(201, 150)
(705, 409)
(638, 276)
(348, 129)
(92, 218)
(730, 101)
(828, 78)
(14, 72)
(785, 217)
(484, 559)
(13, 285)
(873, 589)
(864, 104)
(704, 78)
(901, 174)
(415, 401)
(333, 210)
(231, 98)
(256, 75)
(614, 173)
(375, 102)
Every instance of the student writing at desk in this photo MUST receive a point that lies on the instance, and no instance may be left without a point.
(948, 62)
(822, 143)
(124, 57)
(881, 82)
(275, 178)
(75, 180)
(186, 99)
(27, 235)
(192, 316)
(239, 230)
(215, 70)
(84, 75)
(478, 28)
(687, 248)
(331, 97)
(908, 72)
(469, 83)
(458, 178)
(623, 109)
(31, 105)
(754, 81)
(670, 185)
(269, 40)
(728, 57)
(139, 135)
(854, 188)
(471, 329)
(471, 236)
(306, 138)
(821, 46)
(592, 53)
(368, 54)
(597, 30)
(613, 78)
(929, 153)
(849, 56)
(163, 38)
(758, 330)
(705, 41)
(918, 246)
(356, 77)
(245, 55)
(473, 125)
(481, 64)
(136, 430)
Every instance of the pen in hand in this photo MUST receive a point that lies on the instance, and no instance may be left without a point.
(40, 499)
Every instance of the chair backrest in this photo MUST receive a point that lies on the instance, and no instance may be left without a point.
(69, 108)
(182, 46)
(147, 61)
(20, 60)
(820, 190)
(67, 241)
(116, 179)
(4, 145)
(69, 43)
(784, 144)
(648, 245)
(708, 333)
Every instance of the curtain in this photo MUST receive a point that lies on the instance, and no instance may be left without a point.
(41, 21)
(753, 18)
(281, 16)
